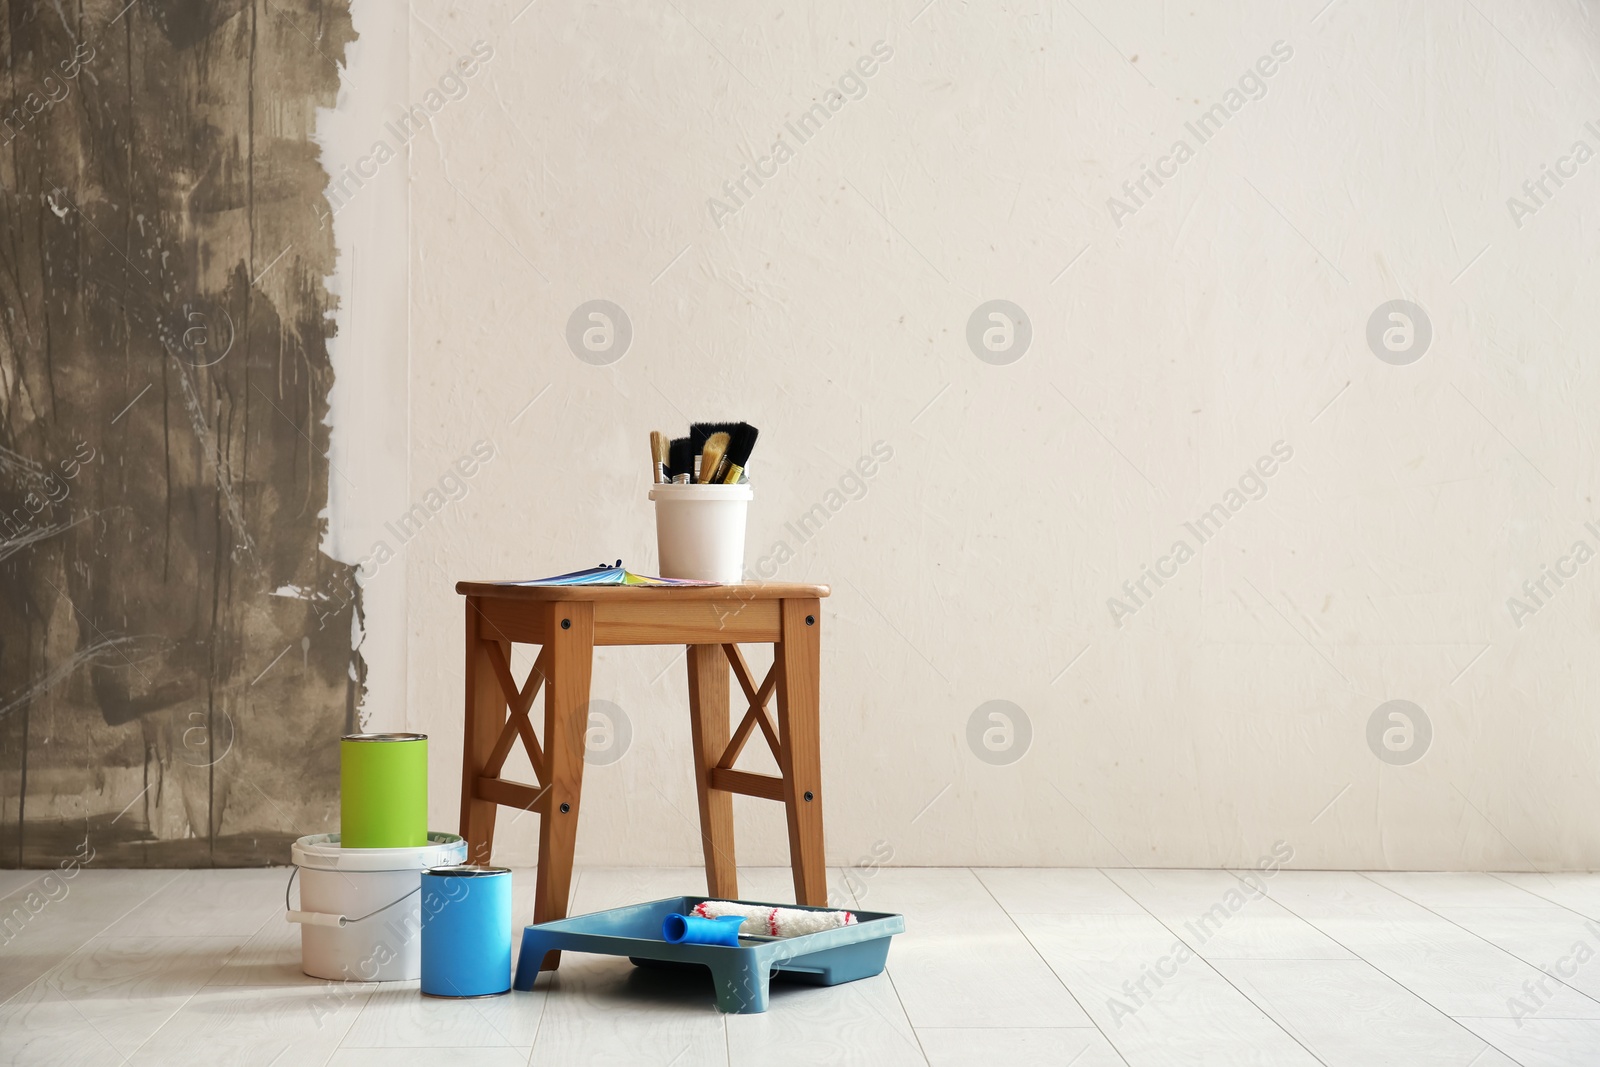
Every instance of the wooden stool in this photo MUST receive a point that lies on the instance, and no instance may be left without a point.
(567, 622)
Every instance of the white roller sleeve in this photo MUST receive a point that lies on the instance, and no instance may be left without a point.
(776, 922)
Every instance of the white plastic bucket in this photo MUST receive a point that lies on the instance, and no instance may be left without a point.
(700, 530)
(360, 911)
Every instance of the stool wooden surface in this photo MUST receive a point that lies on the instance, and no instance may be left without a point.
(567, 622)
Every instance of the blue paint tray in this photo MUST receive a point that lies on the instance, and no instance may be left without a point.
(741, 974)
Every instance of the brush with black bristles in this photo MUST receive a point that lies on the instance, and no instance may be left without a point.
(680, 460)
(741, 442)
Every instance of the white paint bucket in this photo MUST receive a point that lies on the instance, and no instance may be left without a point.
(700, 530)
(360, 911)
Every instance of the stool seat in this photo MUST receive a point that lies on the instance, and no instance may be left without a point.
(568, 622)
(645, 593)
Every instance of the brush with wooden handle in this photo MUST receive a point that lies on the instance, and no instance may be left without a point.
(700, 433)
(658, 456)
(711, 456)
(741, 442)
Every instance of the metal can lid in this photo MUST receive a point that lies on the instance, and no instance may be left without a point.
(466, 870)
(384, 737)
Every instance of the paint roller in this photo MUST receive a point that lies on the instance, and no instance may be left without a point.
(774, 922)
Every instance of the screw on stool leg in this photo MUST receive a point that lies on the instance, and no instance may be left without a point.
(565, 807)
(566, 624)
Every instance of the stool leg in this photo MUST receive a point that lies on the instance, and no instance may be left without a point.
(566, 714)
(486, 714)
(708, 720)
(799, 684)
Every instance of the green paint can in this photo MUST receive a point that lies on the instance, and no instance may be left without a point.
(383, 790)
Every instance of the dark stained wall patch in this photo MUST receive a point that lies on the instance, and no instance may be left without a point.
(174, 670)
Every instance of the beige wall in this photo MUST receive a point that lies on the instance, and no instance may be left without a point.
(1224, 315)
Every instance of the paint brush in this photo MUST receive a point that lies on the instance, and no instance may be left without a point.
(658, 456)
(741, 442)
(680, 460)
(700, 433)
(711, 456)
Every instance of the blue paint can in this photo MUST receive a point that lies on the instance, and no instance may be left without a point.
(466, 931)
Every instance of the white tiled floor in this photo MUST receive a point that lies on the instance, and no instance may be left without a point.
(1013, 967)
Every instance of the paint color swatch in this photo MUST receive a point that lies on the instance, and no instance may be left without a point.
(613, 574)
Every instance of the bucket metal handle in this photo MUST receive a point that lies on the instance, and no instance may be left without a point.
(324, 918)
